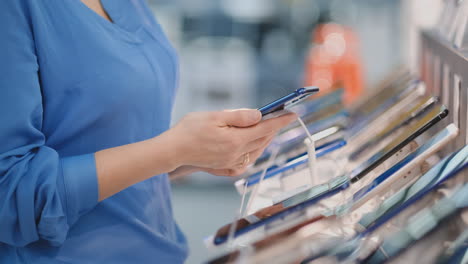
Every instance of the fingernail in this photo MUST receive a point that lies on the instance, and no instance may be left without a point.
(255, 115)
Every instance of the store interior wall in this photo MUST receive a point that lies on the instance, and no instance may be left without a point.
(236, 54)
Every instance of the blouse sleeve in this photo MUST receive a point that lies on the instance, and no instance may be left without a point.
(41, 193)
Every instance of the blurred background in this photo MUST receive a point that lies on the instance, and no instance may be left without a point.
(246, 53)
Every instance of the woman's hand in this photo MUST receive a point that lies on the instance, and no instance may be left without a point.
(223, 143)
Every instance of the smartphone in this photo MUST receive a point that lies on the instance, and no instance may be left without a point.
(289, 100)
(399, 171)
(319, 192)
(292, 141)
(406, 118)
(279, 211)
(269, 240)
(293, 163)
(392, 84)
(317, 104)
(392, 212)
(440, 173)
(389, 108)
(384, 99)
(410, 134)
(437, 175)
(294, 241)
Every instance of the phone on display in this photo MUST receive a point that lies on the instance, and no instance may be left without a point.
(395, 175)
(389, 214)
(410, 134)
(310, 197)
(380, 157)
(439, 174)
(281, 211)
(291, 147)
(292, 163)
(418, 111)
(289, 100)
(363, 116)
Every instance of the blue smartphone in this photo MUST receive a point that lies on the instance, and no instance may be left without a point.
(288, 100)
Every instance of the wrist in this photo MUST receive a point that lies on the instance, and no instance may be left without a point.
(183, 171)
(170, 149)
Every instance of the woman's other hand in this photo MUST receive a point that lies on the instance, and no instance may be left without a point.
(224, 143)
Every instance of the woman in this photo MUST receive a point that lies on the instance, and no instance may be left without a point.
(86, 91)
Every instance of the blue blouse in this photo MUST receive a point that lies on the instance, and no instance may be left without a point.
(73, 83)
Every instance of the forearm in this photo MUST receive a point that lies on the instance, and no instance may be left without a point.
(121, 167)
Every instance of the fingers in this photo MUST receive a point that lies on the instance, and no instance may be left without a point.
(254, 155)
(253, 150)
(227, 172)
(224, 138)
(240, 168)
(267, 127)
(260, 143)
(239, 118)
(267, 131)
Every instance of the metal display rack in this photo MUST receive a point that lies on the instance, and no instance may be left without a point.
(444, 65)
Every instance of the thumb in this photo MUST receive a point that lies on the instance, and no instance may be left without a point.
(241, 117)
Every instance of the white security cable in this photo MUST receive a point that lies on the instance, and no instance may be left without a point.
(310, 143)
(243, 197)
(305, 128)
(233, 226)
(254, 192)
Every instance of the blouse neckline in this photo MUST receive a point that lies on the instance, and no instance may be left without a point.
(121, 23)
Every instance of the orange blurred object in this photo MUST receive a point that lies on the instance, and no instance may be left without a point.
(335, 62)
